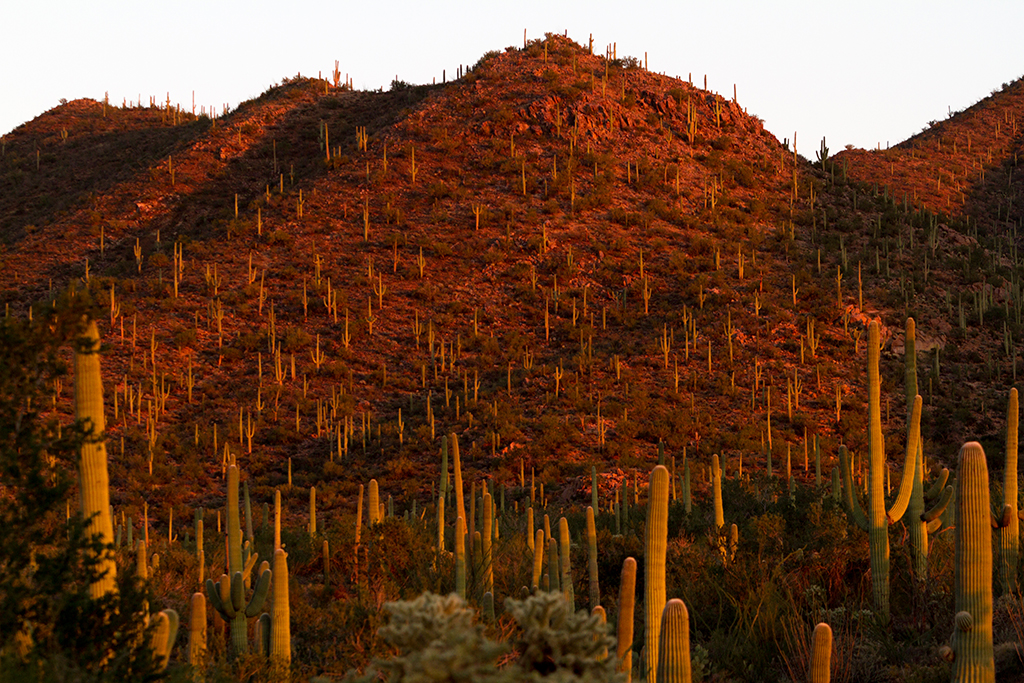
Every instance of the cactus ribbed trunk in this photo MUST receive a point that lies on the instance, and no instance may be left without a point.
(460, 499)
(93, 478)
(373, 503)
(974, 658)
(538, 558)
(487, 537)
(277, 519)
(1009, 535)
(553, 583)
(655, 546)
(595, 590)
(281, 627)
(565, 572)
(820, 669)
(460, 557)
(234, 526)
(917, 527)
(627, 603)
(878, 525)
(716, 486)
(197, 632)
(674, 647)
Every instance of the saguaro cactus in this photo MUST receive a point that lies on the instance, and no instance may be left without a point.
(627, 602)
(674, 647)
(93, 479)
(820, 669)
(1009, 521)
(877, 520)
(164, 635)
(595, 590)
(565, 565)
(655, 546)
(971, 644)
(918, 519)
(280, 618)
(197, 631)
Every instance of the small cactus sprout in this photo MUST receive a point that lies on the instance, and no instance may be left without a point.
(820, 669)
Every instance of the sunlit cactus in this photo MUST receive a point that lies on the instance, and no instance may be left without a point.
(93, 478)
(655, 548)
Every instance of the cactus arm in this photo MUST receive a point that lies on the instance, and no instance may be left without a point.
(939, 507)
(259, 595)
(263, 634)
(899, 506)
(934, 525)
(1003, 521)
(237, 593)
(224, 608)
(939, 486)
(249, 564)
(850, 502)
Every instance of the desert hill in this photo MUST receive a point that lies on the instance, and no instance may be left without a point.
(564, 259)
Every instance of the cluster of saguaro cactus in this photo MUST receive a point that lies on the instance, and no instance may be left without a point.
(232, 605)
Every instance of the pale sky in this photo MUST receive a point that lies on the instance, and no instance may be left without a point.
(862, 73)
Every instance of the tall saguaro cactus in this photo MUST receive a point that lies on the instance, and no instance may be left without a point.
(281, 628)
(627, 602)
(918, 518)
(93, 478)
(1009, 522)
(971, 644)
(656, 544)
(877, 520)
